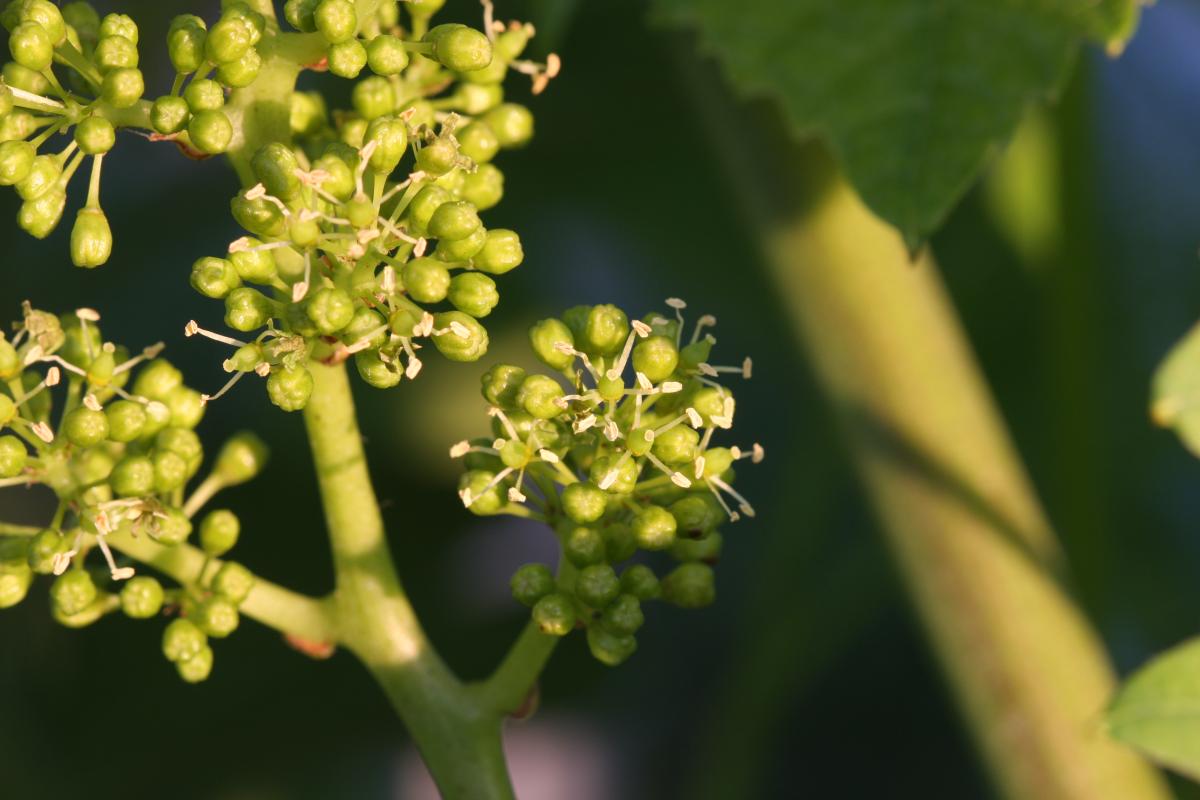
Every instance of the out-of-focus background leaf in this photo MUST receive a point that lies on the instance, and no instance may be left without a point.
(808, 676)
(913, 97)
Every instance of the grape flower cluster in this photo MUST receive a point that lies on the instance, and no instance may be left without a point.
(119, 455)
(615, 452)
(364, 238)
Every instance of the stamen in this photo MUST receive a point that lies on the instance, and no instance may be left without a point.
(229, 384)
(733, 515)
(460, 449)
(504, 421)
(584, 424)
(191, 329)
(92, 403)
(469, 498)
(707, 320)
(742, 503)
(549, 456)
(611, 431)
(150, 352)
(677, 477)
(42, 431)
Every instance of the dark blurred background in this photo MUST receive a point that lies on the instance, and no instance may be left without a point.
(809, 677)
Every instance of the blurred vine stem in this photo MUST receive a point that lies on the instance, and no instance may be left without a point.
(971, 542)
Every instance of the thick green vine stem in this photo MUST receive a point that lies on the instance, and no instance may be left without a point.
(458, 739)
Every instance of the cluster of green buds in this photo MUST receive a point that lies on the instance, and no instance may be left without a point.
(614, 452)
(207, 61)
(99, 83)
(119, 455)
(355, 248)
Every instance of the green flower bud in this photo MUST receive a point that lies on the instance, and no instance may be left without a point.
(690, 585)
(424, 204)
(204, 94)
(133, 476)
(654, 528)
(275, 165)
(95, 135)
(42, 550)
(610, 648)
(174, 529)
(214, 277)
(640, 582)
(198, 667)
(31, 46)
(40, 216)
(484, 187)
(336, 20)
(624, 615)
(185, 43)
(290, 387)
(584, 546)
(122, 87)
(255, 266)
(115, 52)
(7, 104)
(454, 220)
(12, 456)
(366, 323)
(211, 133)
(584, 502)
(158, 416)
(706, 549)
(426, 280)
(43, 176)
(242, 72)
(511, 123)
(460, 48)
(501, 384)
(597, 585)
(618, 476)
(83, 18)
(347, 59)
(438, 156)
(306, 113)
(386, 55)
(47, 15)
(464, 249)
(258, 216)
(478, 142)
(16, 161)
(85, 427)
(717, 461)
(677, 446)
(169, 114)
(501, 253)
(391, 139)
(183, 442)
(15, 579)
(545, 337)
(170, 471)
(461, 337)
(183, 640)
(91, 238)
(304, 233)
(330, 310)
(484, 501)
(656, 357)
(233, 582)
(373, 97)
(530, 583)
(241, 458)
(247, 309)
(341, 180)
(696, 514)
(474, 294)
(141, 597)
(539, 396)
(119, 25)
(299, 14)
(228, 40)
(375, 371)
(157, 379)
(72, 592)
(605, 331)
(126, 419)
(217, 617)
(18, 77)
(554, 614)
(620, 542)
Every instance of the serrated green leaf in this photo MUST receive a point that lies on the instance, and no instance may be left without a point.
(1175, 395)
(1158, 710)
(912, 95)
